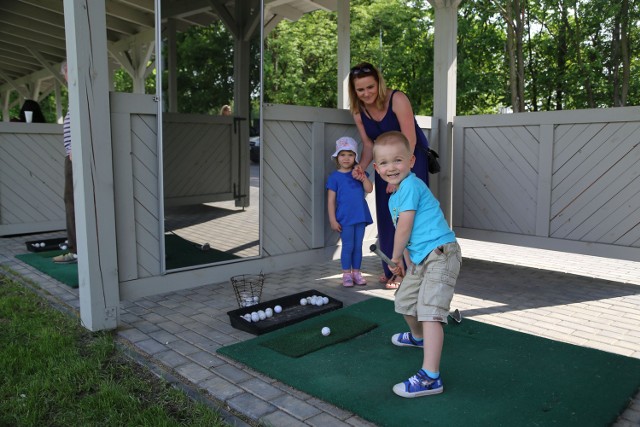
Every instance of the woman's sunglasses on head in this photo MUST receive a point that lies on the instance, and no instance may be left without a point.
(364, 69)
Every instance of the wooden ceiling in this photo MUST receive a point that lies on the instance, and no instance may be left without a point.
(32, 32)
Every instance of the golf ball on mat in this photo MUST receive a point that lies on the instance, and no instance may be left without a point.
(303, 301)
(326, 331)
(325, 300)
(277, 309)
(255, 317)
(268, 312)
(262, 314)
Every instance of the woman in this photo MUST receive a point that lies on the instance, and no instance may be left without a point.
(376, 110)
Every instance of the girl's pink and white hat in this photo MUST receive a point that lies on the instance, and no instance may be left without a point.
(346, 143)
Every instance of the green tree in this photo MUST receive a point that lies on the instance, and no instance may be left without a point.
(300, 66)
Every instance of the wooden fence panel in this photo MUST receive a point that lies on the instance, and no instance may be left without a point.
(585, 201)
(31, 178)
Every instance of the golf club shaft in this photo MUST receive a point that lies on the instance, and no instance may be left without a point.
(374, 248)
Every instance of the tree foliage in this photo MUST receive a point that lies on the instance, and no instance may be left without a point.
(520, 54)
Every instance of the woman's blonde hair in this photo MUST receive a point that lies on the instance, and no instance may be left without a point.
(365, 69)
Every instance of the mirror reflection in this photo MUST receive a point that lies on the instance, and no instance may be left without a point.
(210, 133)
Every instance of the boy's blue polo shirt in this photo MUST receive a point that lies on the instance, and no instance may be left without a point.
(430, 229)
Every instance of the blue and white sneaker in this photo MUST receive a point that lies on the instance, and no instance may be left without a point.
(419, 385)
(405, 339)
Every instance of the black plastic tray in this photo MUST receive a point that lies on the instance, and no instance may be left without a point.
(292, 312)
(49, 245)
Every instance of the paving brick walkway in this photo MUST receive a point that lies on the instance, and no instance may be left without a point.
(583, 300)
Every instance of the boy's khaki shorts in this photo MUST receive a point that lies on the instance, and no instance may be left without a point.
(427, 288)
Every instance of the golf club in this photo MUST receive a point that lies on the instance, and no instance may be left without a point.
(374, 248)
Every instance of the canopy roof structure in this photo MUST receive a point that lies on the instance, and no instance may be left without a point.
(32, 34)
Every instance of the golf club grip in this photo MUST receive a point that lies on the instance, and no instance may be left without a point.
(383, 257)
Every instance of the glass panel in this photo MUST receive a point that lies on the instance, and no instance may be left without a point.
(210, 132)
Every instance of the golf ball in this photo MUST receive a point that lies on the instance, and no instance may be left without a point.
(326, 331)
(262, 314)
(325, 300)
(277, 309)
(303, 301)
(255, 317)
(268, 312)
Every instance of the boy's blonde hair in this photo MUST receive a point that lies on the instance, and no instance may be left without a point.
(390, 138)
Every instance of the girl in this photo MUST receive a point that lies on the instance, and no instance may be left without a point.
(348, 211)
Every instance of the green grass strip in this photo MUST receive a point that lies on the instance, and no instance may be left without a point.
(54, 372)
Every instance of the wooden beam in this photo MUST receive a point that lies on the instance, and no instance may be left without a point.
(55, 73)
(56, 50)
(223, 13)
(93, 181)
(143, 5)
(134, 16)
(26, 80)
(20, 89)
(33, 13)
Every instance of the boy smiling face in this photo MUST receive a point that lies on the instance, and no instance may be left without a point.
(393, 159)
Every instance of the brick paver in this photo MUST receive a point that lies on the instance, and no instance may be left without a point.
(583, 300)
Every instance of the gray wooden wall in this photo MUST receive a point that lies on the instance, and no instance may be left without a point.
(31, 178)
(299, 142)
(563, 180)
(558, 180)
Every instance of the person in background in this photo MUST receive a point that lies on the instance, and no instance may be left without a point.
(34, 107)
(71, 256)
(225, 110)
(422, 238)
(348, 210)
(376, 110)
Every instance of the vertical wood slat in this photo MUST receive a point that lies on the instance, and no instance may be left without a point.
(545, 171)
(318, 205)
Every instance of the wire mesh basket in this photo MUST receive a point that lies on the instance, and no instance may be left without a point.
(248, 288)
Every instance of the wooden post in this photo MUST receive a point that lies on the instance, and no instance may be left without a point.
(344, 53)
(172, 60)
(444, 92)
(88, 75)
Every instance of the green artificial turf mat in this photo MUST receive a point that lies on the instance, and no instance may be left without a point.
(65, 273)
(492, 376)
(183, 253)
(310, 338)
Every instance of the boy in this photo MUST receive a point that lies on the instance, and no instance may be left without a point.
(434, 260)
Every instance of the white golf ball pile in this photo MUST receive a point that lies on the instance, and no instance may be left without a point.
(39, 244)
(314, 300)
(259, 315)
(248, 300)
